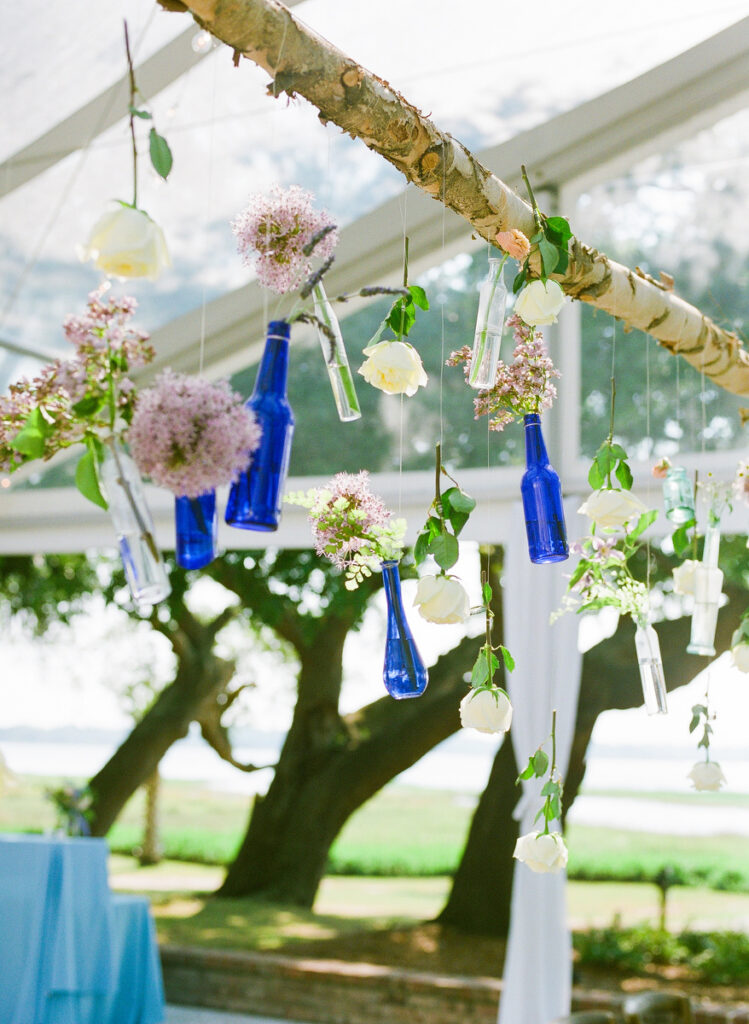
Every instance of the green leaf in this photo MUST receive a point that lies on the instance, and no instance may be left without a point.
(459, 500)
(680, 537)
(419, 296)
(140, 113)
(540, 763)
(480, 670)
(549, 255)
(582, 567)
(487, 592)
(645, 520)
(563, 261)
(444, 549)
(377, 334)
(624, 476)
(559, 226)
(527, 772)
(87, 481)
(401, 317)
(88, 406)
(420, 547)
(161, 154)
(605, 459)
(617, 451)
(550, 788)
(596, 479)
(507, 658)
(520, 280)
(30, 438)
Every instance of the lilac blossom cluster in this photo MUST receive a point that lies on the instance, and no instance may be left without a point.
(522, 387)
(351, 526)
(190, 435)
(272, 232)
(84, 394)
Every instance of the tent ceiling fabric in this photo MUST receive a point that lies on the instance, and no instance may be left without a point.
(481, 95)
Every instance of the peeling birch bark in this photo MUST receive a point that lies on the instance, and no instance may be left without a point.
(302, 63)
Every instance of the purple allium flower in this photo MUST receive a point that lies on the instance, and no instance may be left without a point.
(272, 232)
(190, 435)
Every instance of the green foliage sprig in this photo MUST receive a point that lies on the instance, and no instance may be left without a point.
(701, 715)
(550, 241)
(158, 147)
(553, 788)
(487, 663)
(610, 458)
(447, 516)
(402, 314)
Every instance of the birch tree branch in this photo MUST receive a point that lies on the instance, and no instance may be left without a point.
(302, 63)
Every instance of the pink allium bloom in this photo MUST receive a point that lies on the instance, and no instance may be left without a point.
(190, 435)
(272, 232)
(344, 525)
(525, 386)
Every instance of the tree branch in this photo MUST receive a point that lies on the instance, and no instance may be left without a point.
(366, 107)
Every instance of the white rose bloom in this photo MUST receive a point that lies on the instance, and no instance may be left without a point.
(486, 711)
(610, 510)
(684, 577)
(740, 656)
(539, 303)
(542, 853)
(394, 367)
(442, 599)
(125, 242)
(707, 775)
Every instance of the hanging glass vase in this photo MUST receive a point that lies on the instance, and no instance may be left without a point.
(651, 668)
(255, 498)
(489, 323)
(196, 525)
(404, 674)
(542, 499)
(708, 585)
(336, 360)
(123, 488)
(678, 495)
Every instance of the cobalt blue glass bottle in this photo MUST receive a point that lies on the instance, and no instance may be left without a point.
(404, 674)
(197, 530)
(542, 499)
(255, 498)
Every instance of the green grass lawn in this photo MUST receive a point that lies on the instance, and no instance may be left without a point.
(401, 832)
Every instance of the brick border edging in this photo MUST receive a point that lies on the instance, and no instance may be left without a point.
(338, 992)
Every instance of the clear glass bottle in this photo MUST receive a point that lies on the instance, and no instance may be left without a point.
(541, 491)
(123, 488)
(651, 668)
(255, 498)
(678, 495)
(708, 586)
(336, 360)
(404, 673)
(489, 324)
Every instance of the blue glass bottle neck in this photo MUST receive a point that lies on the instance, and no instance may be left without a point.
(535, 449)
(274, 365)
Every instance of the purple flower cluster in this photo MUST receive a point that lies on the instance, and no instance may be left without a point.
(82, 394)
(190, 435)
(525, 386)
(344, 520)
(272, 232)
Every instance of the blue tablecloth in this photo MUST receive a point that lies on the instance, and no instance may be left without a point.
(70, 951)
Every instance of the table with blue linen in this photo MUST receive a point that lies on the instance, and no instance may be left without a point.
(71, 952)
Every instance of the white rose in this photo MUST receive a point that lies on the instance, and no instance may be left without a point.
(706, 775)
(442, 599)
(542, 853)
(125, 242)
(610, 510)
(684, 577)
(740, 656)
(486, 711)
(539, 303)
(394, 367)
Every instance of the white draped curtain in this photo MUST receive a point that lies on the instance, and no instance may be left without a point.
(537, 979)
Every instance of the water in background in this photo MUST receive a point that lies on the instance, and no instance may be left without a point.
(460, 764)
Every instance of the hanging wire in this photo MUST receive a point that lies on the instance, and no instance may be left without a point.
(210, 205)
(442, 302)
(403, 207)
(650, 454)
(67, 188)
